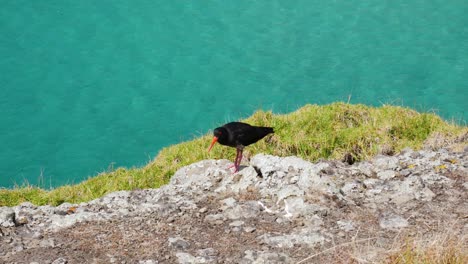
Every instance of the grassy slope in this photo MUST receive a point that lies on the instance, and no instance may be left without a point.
(312, 132)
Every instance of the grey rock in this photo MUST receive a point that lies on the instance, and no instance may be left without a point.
(465, 185)
(385, 162)
(7, 217)
(434, 178)
(290, 240)
(425, 195)
(345, 225)
(238, 182)
(249, 229)
(212, 218)
(289, 190)
(371, 183)
(18, 247)
(299, 202)
(236, 223)
(262, 257)
(60, 261)
(149, 261)
(179, 243)
(208, 255)
(186, 258)
(246, 210)
(386, 174)
(393, 222)
(45, 243)
(405, 172)
(351, 188)
(229, 201)
(415, 155)
(365, 168)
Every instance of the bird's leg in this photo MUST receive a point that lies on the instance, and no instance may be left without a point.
(235, 161)
(238, 161)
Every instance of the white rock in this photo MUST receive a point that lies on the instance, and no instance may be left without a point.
(345, 225)
(385, 162)
(393, 222)
(386, 174)
(7, 217)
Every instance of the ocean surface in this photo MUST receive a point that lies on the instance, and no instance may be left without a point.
(87, 86)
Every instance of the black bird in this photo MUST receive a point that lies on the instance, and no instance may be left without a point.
(239, 135)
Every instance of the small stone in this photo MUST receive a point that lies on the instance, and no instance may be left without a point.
(47, 243)
(230, 202)
(207, 255)
(203, 210)
(385, 162)
(179, 243)
(148, 261)
(425, 195)
(60, 212)
(19, 247)
(22, 220)
(183, 257)
(60, 261)
(249, 229)
(212, 218)
(370, 183)
(236, 223)
(345, 225)
(293, 180)
(386, 174)
(405, 172)
(366, 168)
(37, 235)
(393, 222)
(465, 185)
(351, 187)
(415, 155)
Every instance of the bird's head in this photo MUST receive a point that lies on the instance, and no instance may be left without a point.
(220, 134)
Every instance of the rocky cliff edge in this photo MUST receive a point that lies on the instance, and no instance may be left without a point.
(275, 210)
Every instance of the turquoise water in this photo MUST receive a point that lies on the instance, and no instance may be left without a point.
(91, 85)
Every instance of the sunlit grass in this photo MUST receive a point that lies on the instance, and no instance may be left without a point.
(439, 252)
(312, 132)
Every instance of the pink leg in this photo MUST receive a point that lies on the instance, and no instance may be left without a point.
(238, 161)
(235, 161)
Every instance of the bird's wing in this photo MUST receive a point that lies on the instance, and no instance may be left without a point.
(239, 131)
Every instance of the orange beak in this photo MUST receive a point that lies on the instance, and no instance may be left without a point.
(212, 143)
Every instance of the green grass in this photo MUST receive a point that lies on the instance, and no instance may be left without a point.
(312, 132)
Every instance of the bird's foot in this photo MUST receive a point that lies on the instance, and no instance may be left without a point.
(236, 168)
